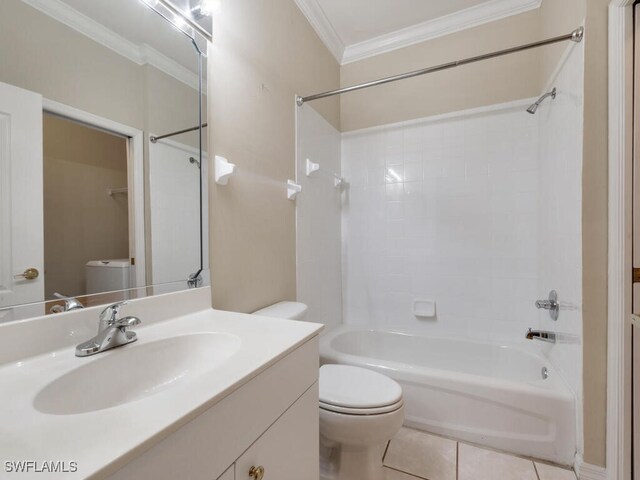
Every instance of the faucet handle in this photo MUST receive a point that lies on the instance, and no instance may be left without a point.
(127, 322)
(110, 314)
(551, 304)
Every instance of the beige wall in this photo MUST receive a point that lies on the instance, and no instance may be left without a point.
(264, 53)
(594, 231)
(81, 222)
(493, 81)
(502, 79)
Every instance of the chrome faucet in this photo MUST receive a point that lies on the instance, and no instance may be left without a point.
(70, 303)
(541, 335)
(112, 332)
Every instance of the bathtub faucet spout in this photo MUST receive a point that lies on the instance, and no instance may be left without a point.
(541, 335)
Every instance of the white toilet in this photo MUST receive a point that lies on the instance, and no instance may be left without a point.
(107, 275)
(360, 411)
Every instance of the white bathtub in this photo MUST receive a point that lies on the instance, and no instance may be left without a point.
(484, 393)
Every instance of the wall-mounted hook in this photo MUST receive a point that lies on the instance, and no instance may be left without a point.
(312, 167)
(223, 170)
(293, 189)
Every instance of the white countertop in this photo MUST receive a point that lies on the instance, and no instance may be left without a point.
(113, 436)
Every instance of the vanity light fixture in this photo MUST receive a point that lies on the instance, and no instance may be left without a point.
(204, 8)
(184, 21)
(179, 22)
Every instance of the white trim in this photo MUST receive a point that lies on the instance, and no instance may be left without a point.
(591, 472)
(135, 177)
(139, 54)
(321, 24)
(89, 118)
(455, 22)
(619, 272)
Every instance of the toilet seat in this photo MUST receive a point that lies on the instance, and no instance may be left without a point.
(362, 411)
(358, 391)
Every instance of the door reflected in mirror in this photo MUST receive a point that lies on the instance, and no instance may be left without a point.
(86, 210)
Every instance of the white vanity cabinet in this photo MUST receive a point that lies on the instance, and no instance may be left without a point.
(230, 474)
(289, 449)
(271, 421)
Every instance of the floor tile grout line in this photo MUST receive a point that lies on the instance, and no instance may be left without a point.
(386, 449)
(535, 468)
(406, 473)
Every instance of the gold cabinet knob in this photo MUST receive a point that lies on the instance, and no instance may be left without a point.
(29, 274)
(257, 472)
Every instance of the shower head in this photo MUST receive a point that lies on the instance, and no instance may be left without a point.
(532, 109)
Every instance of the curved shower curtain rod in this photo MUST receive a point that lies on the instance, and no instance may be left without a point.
(575, 36)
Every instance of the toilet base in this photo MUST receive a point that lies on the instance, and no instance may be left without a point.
(343, 462)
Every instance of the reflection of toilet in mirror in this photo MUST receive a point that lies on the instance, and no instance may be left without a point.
(107, 275)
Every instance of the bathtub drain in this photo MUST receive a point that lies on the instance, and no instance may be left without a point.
(545, 373)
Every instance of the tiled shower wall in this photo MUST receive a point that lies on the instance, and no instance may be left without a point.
(559, 225)
(444, 210)
(318, 228)
(478, 211)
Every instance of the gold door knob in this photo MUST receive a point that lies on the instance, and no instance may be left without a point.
(257, 472)
(29, 274)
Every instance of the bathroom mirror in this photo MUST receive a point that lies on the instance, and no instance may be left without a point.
(102, 154)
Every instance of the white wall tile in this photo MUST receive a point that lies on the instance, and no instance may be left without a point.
(318, 211)
(459, 220)
(560, 227)
(174, 212)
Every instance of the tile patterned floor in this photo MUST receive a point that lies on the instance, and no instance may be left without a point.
(415, 455)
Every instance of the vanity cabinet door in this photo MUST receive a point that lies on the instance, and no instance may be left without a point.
(230, 474)
(289, 449)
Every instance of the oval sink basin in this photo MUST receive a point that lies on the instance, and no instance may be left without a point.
(130, 373)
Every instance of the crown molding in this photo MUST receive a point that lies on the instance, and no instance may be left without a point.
(139, 54)
(468, 18)
(439, 27)
(321, 24)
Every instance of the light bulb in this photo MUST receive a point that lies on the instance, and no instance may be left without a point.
(179, 22)
(208, 7)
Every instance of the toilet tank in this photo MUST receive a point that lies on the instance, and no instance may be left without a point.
(288, 310)
(107, 275)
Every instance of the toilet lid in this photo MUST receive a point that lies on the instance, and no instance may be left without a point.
(357, 388)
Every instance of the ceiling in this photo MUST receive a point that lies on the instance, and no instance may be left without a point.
(358, 20)
(357, 29)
